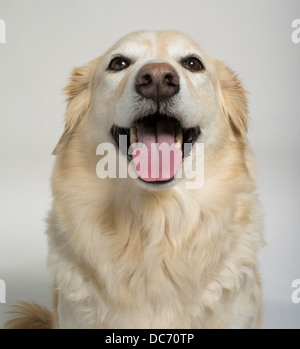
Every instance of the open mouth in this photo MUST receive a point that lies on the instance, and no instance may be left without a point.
(157, 144)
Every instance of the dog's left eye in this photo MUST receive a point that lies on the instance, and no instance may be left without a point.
(193, 64)
(119, 63)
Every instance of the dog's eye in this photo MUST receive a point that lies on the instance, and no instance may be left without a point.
(193, 64)
(119, 63)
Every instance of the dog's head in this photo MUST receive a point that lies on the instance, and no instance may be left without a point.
(165, 94)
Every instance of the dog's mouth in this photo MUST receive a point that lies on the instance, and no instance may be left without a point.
(157, 144)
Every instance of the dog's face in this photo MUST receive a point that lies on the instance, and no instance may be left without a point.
(165, 94)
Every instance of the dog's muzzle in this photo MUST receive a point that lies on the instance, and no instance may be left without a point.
(159, 140)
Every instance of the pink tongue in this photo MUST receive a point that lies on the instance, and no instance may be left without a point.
(156, 159)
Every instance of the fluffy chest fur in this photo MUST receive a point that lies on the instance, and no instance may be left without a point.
(172, 259)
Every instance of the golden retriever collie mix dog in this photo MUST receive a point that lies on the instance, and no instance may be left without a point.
(155, 221)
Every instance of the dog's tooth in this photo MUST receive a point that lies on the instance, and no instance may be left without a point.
(178, 144)
(178, 136)
(133, 135)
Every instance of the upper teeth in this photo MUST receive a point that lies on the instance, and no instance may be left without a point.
(133, 135)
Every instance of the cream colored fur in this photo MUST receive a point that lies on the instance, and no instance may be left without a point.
(124, 256)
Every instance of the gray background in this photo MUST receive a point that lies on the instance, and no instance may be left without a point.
(46, 39)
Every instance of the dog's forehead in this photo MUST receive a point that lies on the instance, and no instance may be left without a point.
(158, 44)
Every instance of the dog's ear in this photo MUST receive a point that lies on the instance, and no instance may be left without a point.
(79, 92)
(233, 99)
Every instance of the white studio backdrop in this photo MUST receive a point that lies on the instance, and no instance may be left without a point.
(42, 40)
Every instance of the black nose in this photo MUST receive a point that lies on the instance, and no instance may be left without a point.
(157, 81)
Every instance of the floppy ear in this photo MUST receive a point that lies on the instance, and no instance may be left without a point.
(233, 99)
(78, 91)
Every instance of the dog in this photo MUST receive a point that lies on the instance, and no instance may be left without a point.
(162, 245)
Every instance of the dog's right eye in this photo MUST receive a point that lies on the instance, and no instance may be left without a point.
(118, 64)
